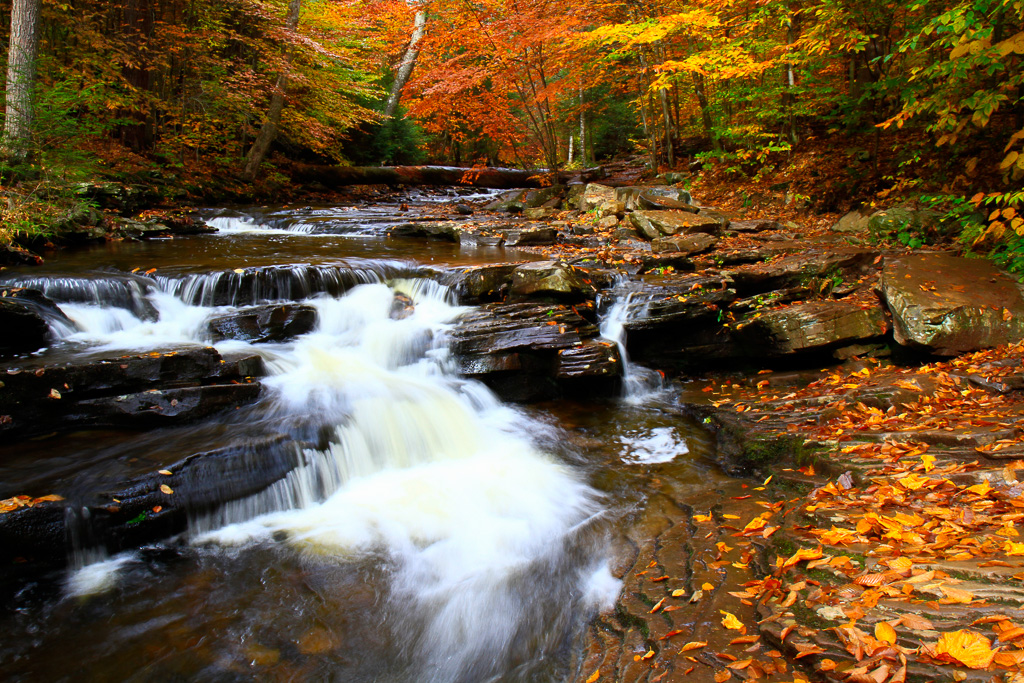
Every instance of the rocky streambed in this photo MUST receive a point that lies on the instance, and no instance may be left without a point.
(563, 305)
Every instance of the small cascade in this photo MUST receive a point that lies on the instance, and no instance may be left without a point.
(128, 292)
(247, 286)
(638, 382)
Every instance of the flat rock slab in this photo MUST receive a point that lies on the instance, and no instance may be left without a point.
(815, 325)
(654, 224)
(949, 305)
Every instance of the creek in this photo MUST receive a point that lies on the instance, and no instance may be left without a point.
(429, 532)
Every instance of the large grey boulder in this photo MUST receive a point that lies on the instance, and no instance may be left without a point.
(595, 194)
(654, 224)
(949, 305)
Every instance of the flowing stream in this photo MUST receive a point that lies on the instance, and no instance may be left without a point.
(429, 533)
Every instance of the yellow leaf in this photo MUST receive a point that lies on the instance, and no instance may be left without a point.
(885, 632)
(702, 518)
(1006, 163)
(166, 473)
(730, 621)
(928, 462)
(164, 488)
(801, 555)
(1012, 548)
(707, 587)
(955, 595)
(980, 489)
(693, 645)
(594, 676)
(970, 649)
(731, 516)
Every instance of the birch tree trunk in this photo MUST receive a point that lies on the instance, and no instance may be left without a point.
(21, 77)
(268, 131)
(405, 66)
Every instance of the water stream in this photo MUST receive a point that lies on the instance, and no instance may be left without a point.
(430, 533)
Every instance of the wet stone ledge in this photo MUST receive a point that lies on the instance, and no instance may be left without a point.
(144, 390)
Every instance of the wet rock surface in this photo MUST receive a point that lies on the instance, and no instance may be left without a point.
(264, 323)
(949, 305)
(132, 390)
(529, 352)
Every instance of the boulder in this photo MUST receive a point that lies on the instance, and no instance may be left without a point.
(812, 326)
(530, 237)
(654, 224)
(696, 243)
(443, 230)
(24, 330)
(267, 323)
(634, 196)
(475, 284)
(509, 202)
(947, 305)
(551, 278)
(525, 351)
(611, 208)
(25, 317)
(889, 223)
(594, 195)
(853, 222)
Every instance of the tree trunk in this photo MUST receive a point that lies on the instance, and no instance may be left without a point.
(268, 131)
(405, 67)
(21, 77)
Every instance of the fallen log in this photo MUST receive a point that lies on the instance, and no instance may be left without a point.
(497, 178)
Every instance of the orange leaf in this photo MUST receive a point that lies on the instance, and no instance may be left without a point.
(730, 621)
(693, 645)
(885, 632)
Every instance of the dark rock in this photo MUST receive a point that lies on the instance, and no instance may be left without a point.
(266, 323)
(476, 284)
(551, 278)
(529, 352)
(741, 447)
(25, 319)
(654, 224)
(442, 230)
(696, 243)
(402, 307)
(38, 397)
(812, 326)
(464, 209)
(948, 305)
(530, 237)
(654, 262)
(24, 329)
(161, 407)
(129, 513)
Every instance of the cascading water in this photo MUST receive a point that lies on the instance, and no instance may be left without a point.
(638, 382)
(490, 551)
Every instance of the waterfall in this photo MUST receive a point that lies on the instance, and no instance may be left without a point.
(494, 548)
(638, 382)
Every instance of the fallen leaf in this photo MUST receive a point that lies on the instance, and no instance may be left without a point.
(693, 645)
(164, 488)
(966, 647)
(730, 621)
(885, 632)
(722, 676)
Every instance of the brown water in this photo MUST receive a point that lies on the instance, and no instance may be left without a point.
(434, 535)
